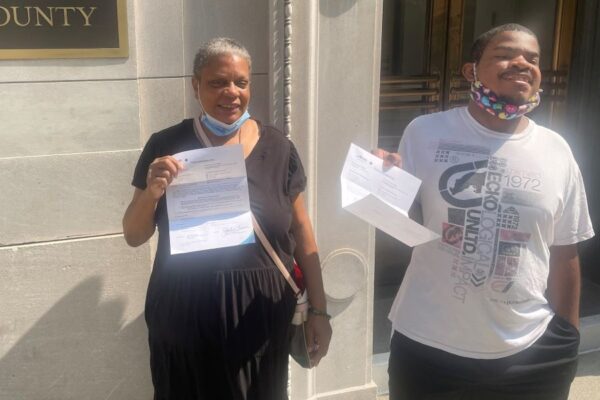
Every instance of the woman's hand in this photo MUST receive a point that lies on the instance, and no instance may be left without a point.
(161, 173)
(318, 336)
(318, 329)
(138, 221)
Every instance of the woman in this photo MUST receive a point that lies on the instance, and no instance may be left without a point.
(218, 320)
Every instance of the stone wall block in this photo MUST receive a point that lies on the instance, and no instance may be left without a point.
(159, 38)
(58, 197)
(161, 104)
(245, 21)
(71, 322)
(68, 117)
(261, 97)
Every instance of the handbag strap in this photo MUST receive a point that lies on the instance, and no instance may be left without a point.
(267, 245)
(257, 229)
(200, 134)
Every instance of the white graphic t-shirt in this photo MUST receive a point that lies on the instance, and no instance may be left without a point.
(499, 201)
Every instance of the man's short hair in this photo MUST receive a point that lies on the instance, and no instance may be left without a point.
(485, 38)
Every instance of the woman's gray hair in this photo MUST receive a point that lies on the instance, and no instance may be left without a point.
(218, 47)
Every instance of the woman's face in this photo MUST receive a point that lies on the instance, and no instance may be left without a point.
(224, 87)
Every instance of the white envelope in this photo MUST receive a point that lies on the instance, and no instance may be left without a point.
(382, 197)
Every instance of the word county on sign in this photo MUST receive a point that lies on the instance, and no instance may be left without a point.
(37, 29)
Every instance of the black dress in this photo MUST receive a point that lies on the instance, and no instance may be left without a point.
(218, 320)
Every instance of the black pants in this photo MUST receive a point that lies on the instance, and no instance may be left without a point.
(544, 371)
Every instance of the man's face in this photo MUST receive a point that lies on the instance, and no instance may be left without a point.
(510, 67)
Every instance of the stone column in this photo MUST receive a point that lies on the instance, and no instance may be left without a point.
(333, 101)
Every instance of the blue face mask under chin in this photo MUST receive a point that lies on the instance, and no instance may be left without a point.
(220, 128)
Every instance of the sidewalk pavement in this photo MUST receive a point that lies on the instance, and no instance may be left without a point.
(587, 383)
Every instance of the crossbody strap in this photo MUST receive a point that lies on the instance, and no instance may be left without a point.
(267, 245)
(200, 134)
(257, 229)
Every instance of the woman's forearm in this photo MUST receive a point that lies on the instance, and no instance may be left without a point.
(313, 279)
(138, 221)
(307, 255)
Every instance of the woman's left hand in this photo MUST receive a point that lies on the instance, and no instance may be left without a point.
(318, 336)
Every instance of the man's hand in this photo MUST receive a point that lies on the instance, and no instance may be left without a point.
(389, 159)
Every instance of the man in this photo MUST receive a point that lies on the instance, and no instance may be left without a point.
(490, 311)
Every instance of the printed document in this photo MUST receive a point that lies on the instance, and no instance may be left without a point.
(208, 203)
(382, 197)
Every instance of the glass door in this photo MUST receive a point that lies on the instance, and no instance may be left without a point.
(412, 64)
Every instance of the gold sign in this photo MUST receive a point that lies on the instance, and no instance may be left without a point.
(33, 29)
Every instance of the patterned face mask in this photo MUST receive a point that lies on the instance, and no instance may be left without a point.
(488, 100)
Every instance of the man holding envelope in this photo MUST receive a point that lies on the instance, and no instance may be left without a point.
(490, 310)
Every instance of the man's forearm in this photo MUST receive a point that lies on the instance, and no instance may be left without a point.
(564, 282)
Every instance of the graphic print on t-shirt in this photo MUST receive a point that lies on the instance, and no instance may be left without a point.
(485, 198)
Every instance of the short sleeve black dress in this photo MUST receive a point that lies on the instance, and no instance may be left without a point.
(218, 320)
